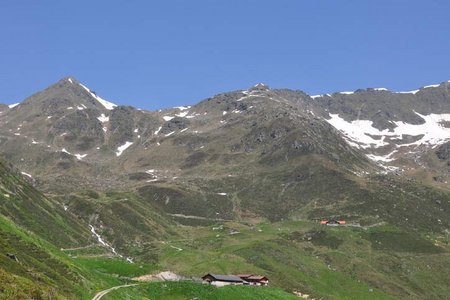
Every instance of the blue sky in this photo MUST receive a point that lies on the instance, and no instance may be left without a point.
(157, 54)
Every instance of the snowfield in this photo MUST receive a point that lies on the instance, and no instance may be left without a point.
(363, 134)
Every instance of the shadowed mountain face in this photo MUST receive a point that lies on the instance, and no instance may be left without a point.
(276, 154)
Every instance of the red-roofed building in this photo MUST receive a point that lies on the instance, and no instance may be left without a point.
(255, 279)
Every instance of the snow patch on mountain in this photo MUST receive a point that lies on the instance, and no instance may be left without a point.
(26, 174)
(408, 92)
(182, 114)
(193, 115)
(375, 89)
(13, 105)
(80, 156)
(103, 118)
(167, 118)
(122, 148)
(359, 131)
(382, 158)
(108, 105)
(433, 130)
(363, 134)
(183, 107)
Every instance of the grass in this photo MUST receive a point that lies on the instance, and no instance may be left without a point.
(382, 262)
(401, 242)
(335, 263)
(325, 262)
(115, 267)
(190, 290)
(17, 287)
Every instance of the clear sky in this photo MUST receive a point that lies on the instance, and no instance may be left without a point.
(157, 54)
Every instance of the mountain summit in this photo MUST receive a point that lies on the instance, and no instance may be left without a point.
(222, 150)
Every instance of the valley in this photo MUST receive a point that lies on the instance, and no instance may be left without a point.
(93, 194)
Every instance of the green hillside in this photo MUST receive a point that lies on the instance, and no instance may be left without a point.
(34, 231)
(27, 207)
(189, 290)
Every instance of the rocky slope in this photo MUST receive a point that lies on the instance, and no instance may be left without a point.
(398, 130)
(255, 153)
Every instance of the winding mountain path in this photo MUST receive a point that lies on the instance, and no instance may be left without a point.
(99, 295)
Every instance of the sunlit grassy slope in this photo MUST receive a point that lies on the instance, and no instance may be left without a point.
(379, 262)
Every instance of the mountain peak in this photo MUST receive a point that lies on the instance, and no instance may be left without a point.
(108, 105)
(259, 87)
(63, 96)
(67, 81)
(71, 80)
(72, 83)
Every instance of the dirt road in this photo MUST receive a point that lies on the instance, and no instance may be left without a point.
(99, 295)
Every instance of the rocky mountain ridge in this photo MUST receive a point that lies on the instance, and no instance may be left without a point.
(238, 181)
(210, 159)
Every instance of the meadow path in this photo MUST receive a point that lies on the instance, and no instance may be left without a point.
(100, 294)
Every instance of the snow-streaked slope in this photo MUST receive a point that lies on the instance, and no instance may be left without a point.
(168, 118)
(358, 133)
(108, 105)
(412, 92)
(122, 148)
(362, 134)
(157, 131)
